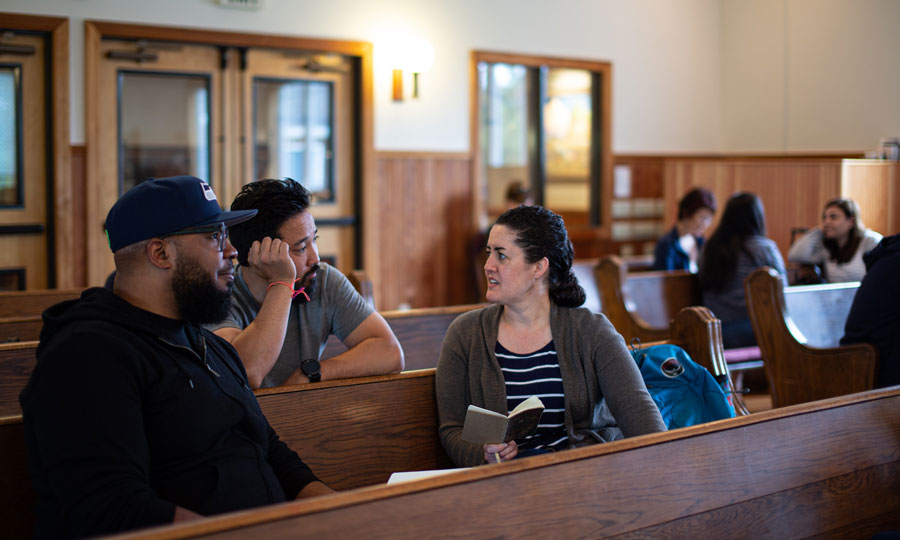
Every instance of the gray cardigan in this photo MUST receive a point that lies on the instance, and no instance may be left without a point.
(605, 395)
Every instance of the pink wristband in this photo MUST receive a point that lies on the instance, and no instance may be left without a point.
(294, 293)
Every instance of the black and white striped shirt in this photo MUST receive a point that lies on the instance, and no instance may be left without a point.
(536, 374)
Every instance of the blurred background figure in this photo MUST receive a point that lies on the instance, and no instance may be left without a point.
(838, 245)
(679, 249)
(737, 248)
(518, 195)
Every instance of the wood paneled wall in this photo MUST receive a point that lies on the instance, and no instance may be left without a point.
(793, 191)
(874, 185)
(423, 214)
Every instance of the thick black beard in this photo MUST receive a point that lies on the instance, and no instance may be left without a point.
(198, 299)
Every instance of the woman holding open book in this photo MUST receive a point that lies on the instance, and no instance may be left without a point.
(536, 340)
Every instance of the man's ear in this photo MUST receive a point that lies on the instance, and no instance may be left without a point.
(161, 253)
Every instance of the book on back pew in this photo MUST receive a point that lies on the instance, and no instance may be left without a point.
(487, 427)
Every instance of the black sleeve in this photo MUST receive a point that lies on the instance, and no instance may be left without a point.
(292, 473)
(85, 432)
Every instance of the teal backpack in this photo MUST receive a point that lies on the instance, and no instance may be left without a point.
(684, 391)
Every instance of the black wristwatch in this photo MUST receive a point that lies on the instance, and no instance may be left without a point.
(310, 368)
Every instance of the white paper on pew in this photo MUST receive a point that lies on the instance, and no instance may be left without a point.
(409, 476)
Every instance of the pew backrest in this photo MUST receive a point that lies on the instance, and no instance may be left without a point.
(16, 364)
(820, 311)
(796, 371)
(824, 470)
(20, 312)
(642, 304)
(30, 303)
(584, 273)
(420, 333)
(356, 432)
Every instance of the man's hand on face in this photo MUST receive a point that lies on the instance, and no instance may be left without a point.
(270, 258)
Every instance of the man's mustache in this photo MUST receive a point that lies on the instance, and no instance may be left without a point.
(312, 271)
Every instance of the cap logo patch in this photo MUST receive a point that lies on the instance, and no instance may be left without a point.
(207, 191)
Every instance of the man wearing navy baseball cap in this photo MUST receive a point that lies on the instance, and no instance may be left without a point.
(135, 415)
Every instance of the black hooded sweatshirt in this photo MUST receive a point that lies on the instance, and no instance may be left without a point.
(875, 314)
(128, 414)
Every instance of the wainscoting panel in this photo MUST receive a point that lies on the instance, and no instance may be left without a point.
(424, 220)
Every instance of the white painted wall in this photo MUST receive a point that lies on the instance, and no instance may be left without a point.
(688, 75)
(810, 75)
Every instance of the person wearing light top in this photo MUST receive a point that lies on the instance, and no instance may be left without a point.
(536, 340)
(679, 249)
(839, 244)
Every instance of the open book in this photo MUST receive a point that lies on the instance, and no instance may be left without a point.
(488, 427)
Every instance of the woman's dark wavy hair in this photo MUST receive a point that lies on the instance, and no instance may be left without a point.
(541, 233)
(276, 202)
(850, 209)
(743, 218)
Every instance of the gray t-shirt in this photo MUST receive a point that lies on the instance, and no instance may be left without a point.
(334, 308)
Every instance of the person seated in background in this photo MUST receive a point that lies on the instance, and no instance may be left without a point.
(134, 414)
(680, 248)
(736, 248)
(287, 302)
(839, 244)
(875, 314)
(535, 340)
(518, 195)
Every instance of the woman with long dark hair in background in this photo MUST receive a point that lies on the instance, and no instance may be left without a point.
(737, 247)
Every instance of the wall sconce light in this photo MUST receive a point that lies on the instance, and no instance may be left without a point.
(414, 55)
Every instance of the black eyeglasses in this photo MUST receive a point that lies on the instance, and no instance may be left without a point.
(220, 235)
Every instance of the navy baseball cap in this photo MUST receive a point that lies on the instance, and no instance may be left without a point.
(160, 206)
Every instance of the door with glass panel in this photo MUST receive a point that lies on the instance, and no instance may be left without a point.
(24, 174)
(299, 125)
(158, 114)
(543, 122)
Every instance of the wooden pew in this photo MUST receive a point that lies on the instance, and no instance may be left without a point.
(26, 303)
(584, 272)
(803, 360)
(420, 332)
(16, 363)
(824, 469)
(352, 432)
(20, 312)
(640, 305)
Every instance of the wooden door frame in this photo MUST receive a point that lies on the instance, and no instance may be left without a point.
(95, 31)
(604, 107)
(60, 203)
